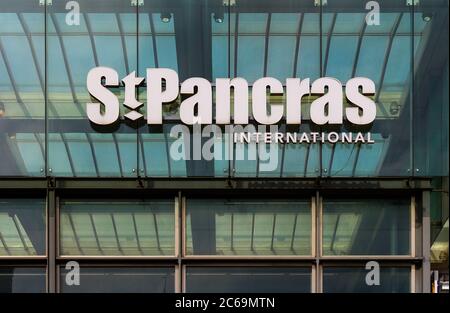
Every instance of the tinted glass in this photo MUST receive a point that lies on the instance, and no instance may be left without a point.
(366, 227)
(117, 228)
(111, 280)
(22, 280)
(22, 227)
(248, 227)
(392, 279)
(247, 280)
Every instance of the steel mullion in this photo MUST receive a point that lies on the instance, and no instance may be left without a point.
(232, 232)
(94, 158)
(2, 239)
(119, 159)
(294, 229)
(116, 234)
(355, 163)
(69, 156)
(266, 44)
(77, 240)
(138, 242)
(306, 160)
(297, 44)
(253, 232)
(236, 42)
(358, 49)
(167, 153)
(335, 231)
(91, 218)
(273, 231)
(25, 246)
(144, 162)
(327, 51)
(155, 224)
(386, 59)
(66, 63)
(153, 34)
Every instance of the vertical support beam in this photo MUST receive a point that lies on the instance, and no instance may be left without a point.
(51, 239)
(318, 244)
(426, 241)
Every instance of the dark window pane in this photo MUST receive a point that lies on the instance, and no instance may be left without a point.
(353, 279)
(366, 227)
(248, 227)
(117, 228)
(22, 279)
(137, 280)
(245, 280)
(22, 227)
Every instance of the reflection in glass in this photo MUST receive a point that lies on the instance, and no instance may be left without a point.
(366, 227)
(248, 279)
(353, 279)
(22, 227)
(22, 280)
(117, 228)
(113, 280)
(248, 227)
(22, 81)
(108, 34)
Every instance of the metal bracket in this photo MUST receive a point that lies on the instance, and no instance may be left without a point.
(51, 182)
(45, 2)
(230, 3)
(135, 3)
(318, 3)
(412, 2)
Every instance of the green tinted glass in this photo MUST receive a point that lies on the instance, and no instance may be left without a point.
(246, 227)
(117, 228)
(366, 227)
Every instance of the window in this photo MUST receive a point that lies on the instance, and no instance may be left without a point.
(353, 279)
(22, 227)
(115, 279)
(117, 227)
(248, 279)
(248, 227)
(22, 280)
(366, 227)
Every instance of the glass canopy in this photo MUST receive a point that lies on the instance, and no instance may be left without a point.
(46, 52)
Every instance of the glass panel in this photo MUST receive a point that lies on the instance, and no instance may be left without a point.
(366, 227)
(353, 279)
(22, 81)
(248, 227)
(22, 227)
(118, 280)
(107, 33)
(379, 47)
(22, 280)
(431, 101)
(248, 279)
(117, 228)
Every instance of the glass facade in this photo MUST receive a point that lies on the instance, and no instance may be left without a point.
(45, 131)
(135, 218)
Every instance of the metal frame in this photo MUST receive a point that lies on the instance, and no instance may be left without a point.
(180, 260)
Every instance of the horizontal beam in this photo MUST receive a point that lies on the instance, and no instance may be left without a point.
(236, 184)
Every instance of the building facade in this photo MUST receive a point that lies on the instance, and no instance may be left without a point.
(134, 206)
